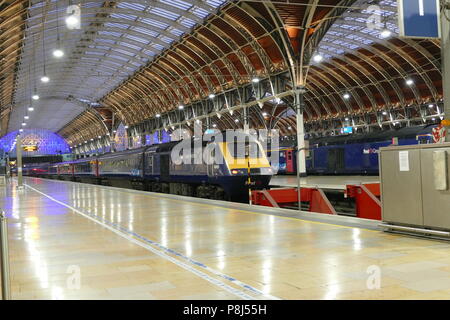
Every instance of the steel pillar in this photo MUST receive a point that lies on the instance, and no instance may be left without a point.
(246, 122)
(300, 106)
(445, 47)
(19, 161)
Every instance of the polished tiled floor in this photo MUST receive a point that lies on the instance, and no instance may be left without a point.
(142, 246)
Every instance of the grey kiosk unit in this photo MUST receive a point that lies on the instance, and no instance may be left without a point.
(415, 189)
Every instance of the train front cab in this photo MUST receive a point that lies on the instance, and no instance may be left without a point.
(253, 165)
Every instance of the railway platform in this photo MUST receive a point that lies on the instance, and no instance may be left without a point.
(79, 241)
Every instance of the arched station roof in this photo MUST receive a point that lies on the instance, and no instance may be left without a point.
(134, 60)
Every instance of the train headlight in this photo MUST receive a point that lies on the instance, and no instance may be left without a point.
(234, 171)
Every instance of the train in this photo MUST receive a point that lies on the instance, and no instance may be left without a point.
(152, 168)
(355, 154)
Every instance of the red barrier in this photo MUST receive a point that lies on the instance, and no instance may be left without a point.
(318, 202)
(368, 204)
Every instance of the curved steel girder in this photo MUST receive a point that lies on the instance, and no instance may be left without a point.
(357, 80)
(177, 73)
(90, 122)
(361, 83)
(145, 83)
(12, 17)
(316, 86)
(207, 82)
(185, 74)
(93, 16)
(394, 64)
(245, 61)
(346, 85)
(378, 68)
(225, 60)
(411, 43)
(405, 55)
(196, 66)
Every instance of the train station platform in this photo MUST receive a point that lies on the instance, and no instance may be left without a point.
(324, 182)
(79, 241)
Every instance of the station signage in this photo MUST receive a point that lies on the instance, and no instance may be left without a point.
(30, 148)
(419, 18)
(347, 130)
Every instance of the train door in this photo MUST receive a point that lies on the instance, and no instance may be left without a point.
(290, 161)
(336, 160)
(164, 166)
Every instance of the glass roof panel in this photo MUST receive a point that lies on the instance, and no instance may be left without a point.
(353, 30)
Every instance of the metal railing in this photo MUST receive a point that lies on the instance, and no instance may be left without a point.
(4, 258)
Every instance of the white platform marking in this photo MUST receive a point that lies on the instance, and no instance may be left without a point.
(239, 293)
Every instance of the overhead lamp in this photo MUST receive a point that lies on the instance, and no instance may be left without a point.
(24, 124)
(384, 113)
(236, 120)
(30, 108)
(58, 53)
(289, 128)
(317, 57)
(26, 117)
(35, 97)
(158, 115)
(180, 107)
(99, 137)
(214, 125)
(71, 21)
(385, 33)
(20, 130)
(346, 119)
(212, 96)
(114, 131)
(255, 80)
(409, 82)
(346, 96)
(430, 105)
(433, 119)
(264, 114)
(45, 79)
(126, 127)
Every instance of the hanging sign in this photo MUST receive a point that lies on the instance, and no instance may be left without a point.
(419, 18)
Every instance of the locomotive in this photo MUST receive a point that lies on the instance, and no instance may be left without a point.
(153, 169)
(348, 154)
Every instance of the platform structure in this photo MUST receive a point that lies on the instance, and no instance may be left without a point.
(78, 241)
(323, 182)
(358, 196)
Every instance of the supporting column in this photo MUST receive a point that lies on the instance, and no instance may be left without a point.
(246, 122)
(19, 162)
(8, 168)
(301, 154)
(445, 49)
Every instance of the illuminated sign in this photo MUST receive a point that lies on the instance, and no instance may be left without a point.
(371, 151)
(347, 130)
(30, 148)
(419, 18)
